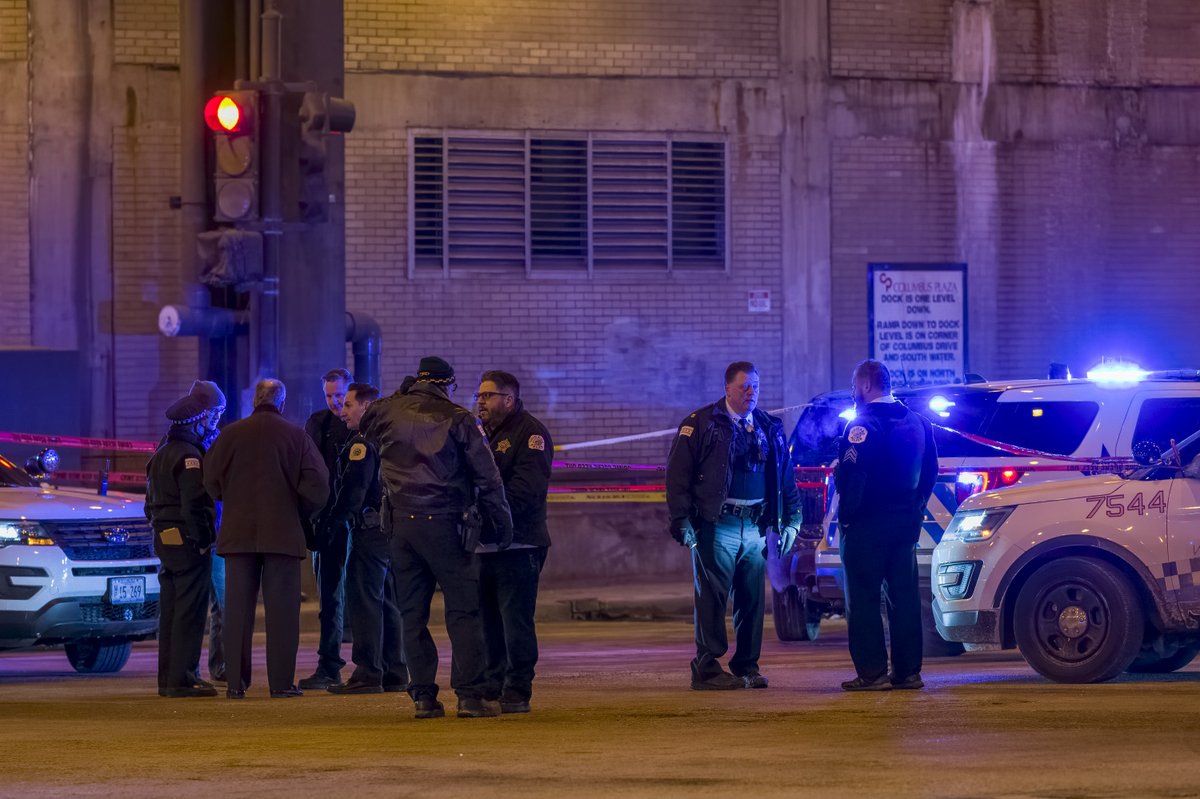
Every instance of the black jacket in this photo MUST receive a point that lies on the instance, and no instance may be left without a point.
(271, 479)
(433, 456)
(524, 454)
(698, 475)
(357, 492)
(330, 434)
(887, 466)
(175, 495)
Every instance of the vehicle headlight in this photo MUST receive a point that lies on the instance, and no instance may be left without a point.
(22, 532)
(976, 525)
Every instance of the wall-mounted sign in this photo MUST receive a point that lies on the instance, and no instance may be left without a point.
(758, 301)
(918, 317)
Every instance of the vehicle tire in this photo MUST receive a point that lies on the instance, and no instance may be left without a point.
(1078, 620)
(102, 656)
(794, 619)
(1150, 662)
(933, 645)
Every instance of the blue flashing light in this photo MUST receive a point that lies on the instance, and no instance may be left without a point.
(849, 414)
(1117, 372)
(940, 405)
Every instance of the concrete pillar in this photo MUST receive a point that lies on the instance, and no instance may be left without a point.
(805, 219)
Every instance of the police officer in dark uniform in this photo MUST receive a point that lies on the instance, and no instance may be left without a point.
(329, 432)
(524, 454)
(729, 480)
(370, 587)
(184, 521)
(435, 466)
(886, 471)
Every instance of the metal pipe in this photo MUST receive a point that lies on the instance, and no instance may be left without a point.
(255, 19)
(241, 40)
(271, 43)
(366, 339)
(267, 318)
(193, 190)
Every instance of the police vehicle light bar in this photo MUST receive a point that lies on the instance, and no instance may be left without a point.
(1117, 372)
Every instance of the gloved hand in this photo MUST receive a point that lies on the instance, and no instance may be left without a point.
(683, 532)
(506, 539)
(787, 535)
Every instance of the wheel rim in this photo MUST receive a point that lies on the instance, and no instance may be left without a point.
(1072, 622)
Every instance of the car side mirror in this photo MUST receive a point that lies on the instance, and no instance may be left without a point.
(42, 464)
(1146, 452)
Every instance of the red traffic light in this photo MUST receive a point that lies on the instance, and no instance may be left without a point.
(225, 114)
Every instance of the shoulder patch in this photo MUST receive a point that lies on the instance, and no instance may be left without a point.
(191, 463)
(537, 442)
(687, 430)
(857, 434)
(358, 452)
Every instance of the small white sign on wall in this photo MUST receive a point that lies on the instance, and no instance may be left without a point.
(918, 319)
(758, 301)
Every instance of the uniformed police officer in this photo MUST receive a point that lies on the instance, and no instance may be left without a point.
(729, 480)
(184, 522)
(370, 586)
(329, 432)
(886, 470)
(524, 454)
(435, 466)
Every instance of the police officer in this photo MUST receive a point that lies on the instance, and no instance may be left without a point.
(329, 432)
(728, 482)
(436, 466)
(183, 518)
(886, 470)
(524, 453)
(370, 588)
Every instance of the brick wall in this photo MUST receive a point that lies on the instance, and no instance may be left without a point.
(597, 358)
(146, 31)
(891, 39)
(14, 30)
(152, 371)
(15, 321)
(551, 37)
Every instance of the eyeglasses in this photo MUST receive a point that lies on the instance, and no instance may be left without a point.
(487, 395)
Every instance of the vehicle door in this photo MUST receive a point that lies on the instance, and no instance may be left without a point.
(1179, 570)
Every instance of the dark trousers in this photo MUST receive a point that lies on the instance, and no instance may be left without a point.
(873, 556)
(508, 589)
(427, 551)
(329, 564)
(279, 577)
(727, 560)
(182, 609)
(378, 651)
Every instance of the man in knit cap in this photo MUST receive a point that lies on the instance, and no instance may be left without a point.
(184, 522)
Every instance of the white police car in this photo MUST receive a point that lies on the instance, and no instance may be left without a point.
(76, 569)
(1088, 578)
(1099, 417)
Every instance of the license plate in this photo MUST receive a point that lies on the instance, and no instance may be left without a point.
(126, 590)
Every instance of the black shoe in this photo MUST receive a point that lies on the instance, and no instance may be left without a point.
(753, 680)
(354, 687)
(912, 682)
(860, 684)
(718, 682)
(429, 708)
(514, 705)
(475, 708)
(287, 693)
(319, 681)
(235, 693)
(219, 677)
(188, 691)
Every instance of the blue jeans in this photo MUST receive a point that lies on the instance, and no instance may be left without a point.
(216, 619)
(329, 564)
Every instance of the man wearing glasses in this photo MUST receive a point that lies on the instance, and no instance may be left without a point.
(729, 482)
(524, 452)
(435, 466)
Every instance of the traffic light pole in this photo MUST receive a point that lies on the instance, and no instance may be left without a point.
(265, 327)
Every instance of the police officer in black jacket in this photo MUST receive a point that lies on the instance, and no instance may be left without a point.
(524, 454)
(370, 585)
(886, 471)
(729, 480)
(329, 432)
(184, 520)
(435, 465)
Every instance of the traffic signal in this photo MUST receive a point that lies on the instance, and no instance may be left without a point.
(320, 115)
(233, 117)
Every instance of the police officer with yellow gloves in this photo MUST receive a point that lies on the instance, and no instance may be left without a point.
(184, 518)
(887, 467)
(729, 480)
(377, 652)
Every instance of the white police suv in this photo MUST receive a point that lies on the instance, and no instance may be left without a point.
(76, 569)
(1098, 417)
(1088, 578)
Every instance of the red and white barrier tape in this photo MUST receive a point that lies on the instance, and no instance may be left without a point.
(73, 442)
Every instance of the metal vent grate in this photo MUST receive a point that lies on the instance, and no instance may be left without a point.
(558, 202)
(485, 202)
(428, 208)
(629, 204)
(697, 204)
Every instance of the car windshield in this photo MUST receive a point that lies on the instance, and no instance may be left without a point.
(10, 475)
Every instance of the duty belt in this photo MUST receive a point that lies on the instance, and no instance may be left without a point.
(751, 512)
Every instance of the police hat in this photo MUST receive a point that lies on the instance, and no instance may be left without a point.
(435, 370)
(203, 397)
